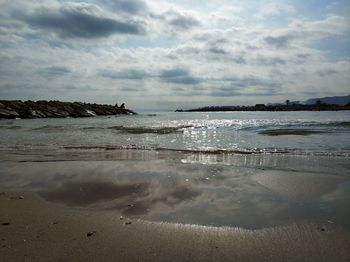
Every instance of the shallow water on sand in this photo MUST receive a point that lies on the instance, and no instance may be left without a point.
(249, 191)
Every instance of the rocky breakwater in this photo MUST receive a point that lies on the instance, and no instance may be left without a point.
(11, 109)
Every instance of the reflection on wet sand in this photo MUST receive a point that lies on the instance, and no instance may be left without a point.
(173, 191)
(85, 193)
(298, 185)
(130, 199)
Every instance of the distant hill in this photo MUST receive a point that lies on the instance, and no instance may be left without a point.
(335, 100)
(334, 103)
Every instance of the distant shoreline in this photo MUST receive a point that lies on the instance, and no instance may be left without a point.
(12, 109)
(271, 108)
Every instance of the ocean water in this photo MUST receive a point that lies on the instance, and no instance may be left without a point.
(264, 132)
(242, 169)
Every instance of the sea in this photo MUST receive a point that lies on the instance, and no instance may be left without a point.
(239, 169)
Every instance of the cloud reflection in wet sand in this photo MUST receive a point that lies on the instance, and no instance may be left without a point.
(175, 192)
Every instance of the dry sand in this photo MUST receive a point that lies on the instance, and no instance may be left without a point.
(32, 229)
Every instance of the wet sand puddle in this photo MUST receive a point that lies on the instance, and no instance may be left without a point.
(195, 193)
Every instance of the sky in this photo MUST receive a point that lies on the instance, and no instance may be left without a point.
(164, 55)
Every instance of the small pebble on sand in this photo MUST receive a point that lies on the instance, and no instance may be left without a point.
(91, 233)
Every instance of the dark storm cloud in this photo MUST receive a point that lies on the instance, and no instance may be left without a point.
(75, 22)
(179, 76)
(278, 41)
(130, 74)
(126, 6)
(54, 71)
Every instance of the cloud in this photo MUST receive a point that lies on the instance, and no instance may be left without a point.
(54, 71)
(179, 76)
(271, 61)
(126, 6)
(130, 74)
(178, 20)
(275, 9)
(248, 81)
(231, 91)
(278, 41)
(79, 21)
(188, 52)
(305, 31)
(184, 22)
(217, 50)
(132, 89)
(326, 72)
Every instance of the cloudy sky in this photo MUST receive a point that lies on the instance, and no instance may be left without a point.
(155, 54)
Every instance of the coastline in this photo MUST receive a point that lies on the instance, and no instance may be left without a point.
(41, 231)
(270, 108)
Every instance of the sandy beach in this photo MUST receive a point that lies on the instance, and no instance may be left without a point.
(33, 229)
(150, 206)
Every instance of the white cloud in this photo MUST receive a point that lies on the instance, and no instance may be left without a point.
(184, 56)
(275, 9)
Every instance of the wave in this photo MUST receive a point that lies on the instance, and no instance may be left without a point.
(50, 128)
(148, 130)
(295, 132)
(243, 151)
(292, 125)
(192, 151)
(261, 127)
(328, 124)
(10, 127)
(342, 123)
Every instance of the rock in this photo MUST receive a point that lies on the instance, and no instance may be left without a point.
(56, 109)
(91, 233)
(5, 224)
(8, 114)
(15, 197)
(127, 223)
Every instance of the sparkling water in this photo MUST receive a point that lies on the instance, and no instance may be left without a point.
(258, 132)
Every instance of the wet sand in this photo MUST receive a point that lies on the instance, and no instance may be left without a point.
(67, 206)
(33, 229)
